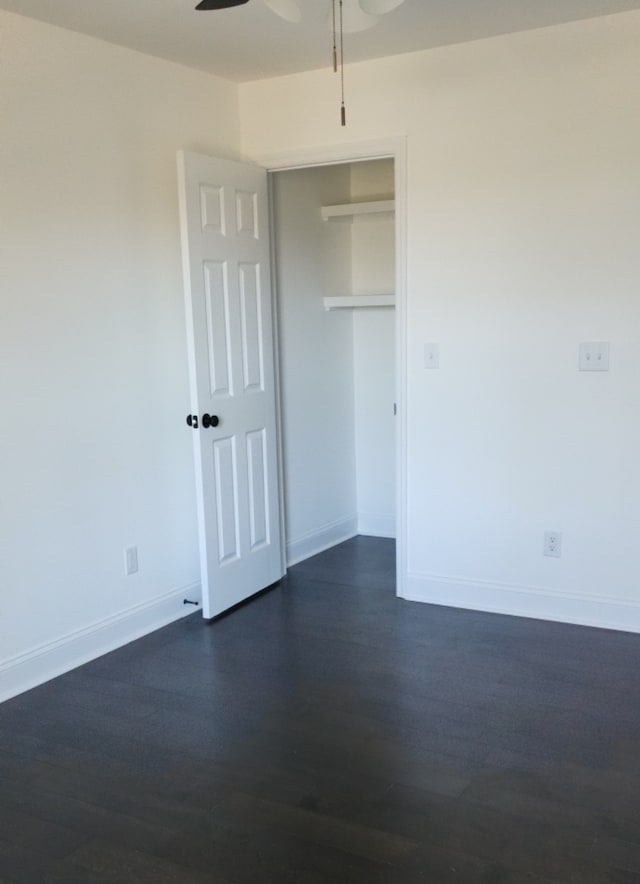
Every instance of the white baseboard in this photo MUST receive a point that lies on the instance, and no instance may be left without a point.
(323, 538)
(524, 601)
(26, 671)
(376, 525)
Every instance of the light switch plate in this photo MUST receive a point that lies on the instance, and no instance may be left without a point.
(131, 560)
(594, 356)
(432, 355)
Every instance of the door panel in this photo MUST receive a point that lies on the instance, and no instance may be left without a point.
(258, 488)
(226, 483)
(251, 306)
(218, 342)
(231, 365)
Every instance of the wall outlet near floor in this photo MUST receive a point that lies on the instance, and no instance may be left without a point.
(131, 560)
(553, 544)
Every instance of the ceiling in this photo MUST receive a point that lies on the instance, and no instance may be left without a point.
(250, 42)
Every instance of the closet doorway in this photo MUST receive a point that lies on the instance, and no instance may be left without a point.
(334, 247)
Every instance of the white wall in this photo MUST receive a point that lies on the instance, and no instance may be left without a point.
(373, 271)
(374, 396)
(95, 454)
(523, 213)
(313, 259)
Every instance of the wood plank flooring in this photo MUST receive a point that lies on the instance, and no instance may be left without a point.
(328, 732)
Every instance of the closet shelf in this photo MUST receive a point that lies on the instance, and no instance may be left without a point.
(342, 302)
(355, 210)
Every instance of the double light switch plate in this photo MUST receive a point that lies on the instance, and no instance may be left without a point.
(594, 356)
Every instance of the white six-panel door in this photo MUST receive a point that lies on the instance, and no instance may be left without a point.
(225, 242)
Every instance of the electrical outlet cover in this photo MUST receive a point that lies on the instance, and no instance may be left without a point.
(553, 544)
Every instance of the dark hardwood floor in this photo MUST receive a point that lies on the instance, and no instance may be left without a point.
(328, 732)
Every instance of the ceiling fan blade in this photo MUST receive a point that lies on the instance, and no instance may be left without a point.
(354, 18)
(379, 7)
(286, 9)
(219, 4)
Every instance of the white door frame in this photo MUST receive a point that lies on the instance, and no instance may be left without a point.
(336, 154)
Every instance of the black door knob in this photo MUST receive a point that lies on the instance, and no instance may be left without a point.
(210, 420)
(192, 421)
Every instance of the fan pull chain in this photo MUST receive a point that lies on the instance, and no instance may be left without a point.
(335, 48)
(343, 110)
